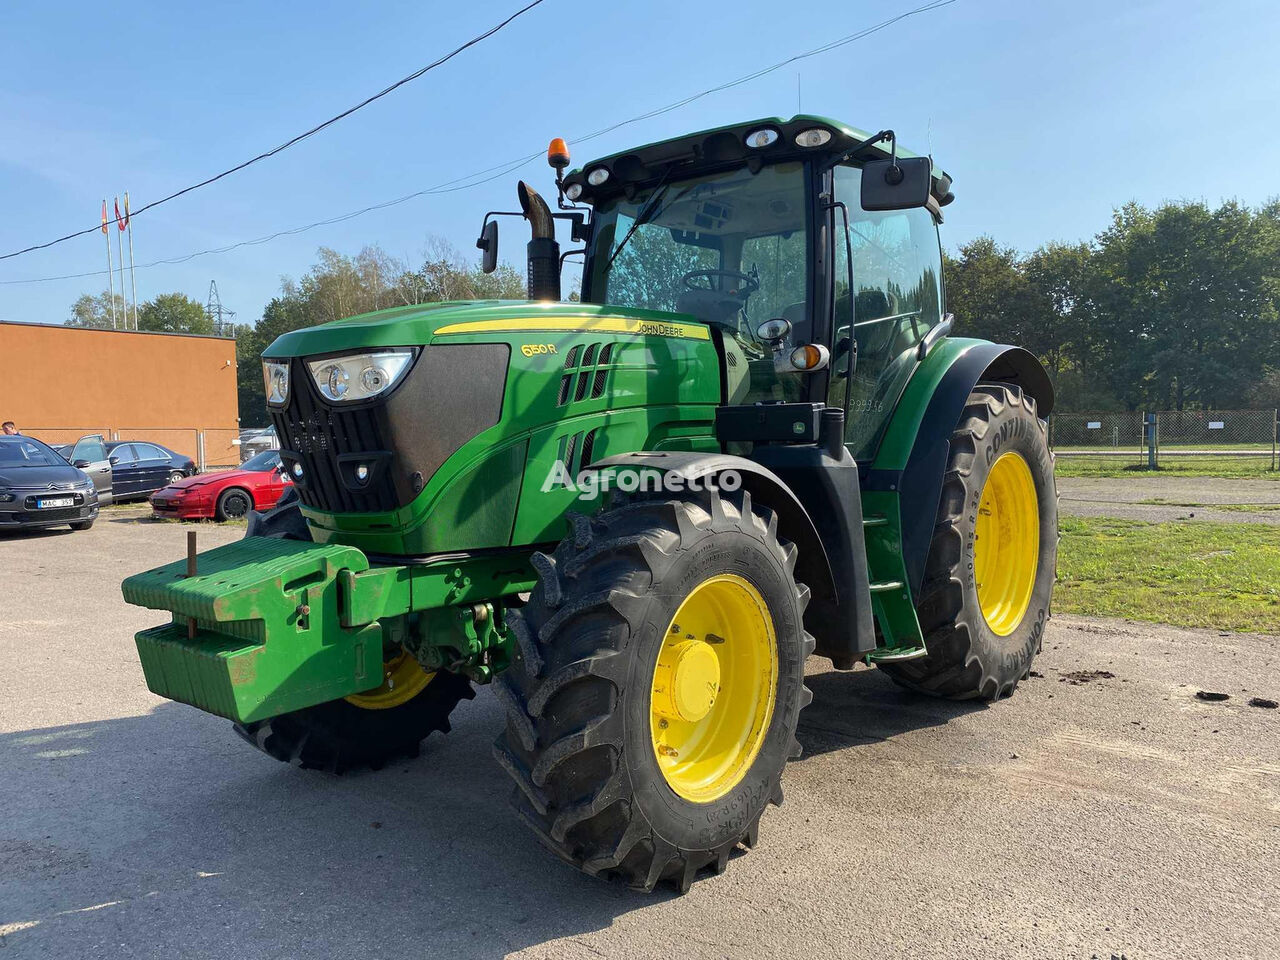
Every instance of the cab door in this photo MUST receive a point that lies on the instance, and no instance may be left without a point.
(90, 455)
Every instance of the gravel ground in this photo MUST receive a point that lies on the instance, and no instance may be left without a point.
(1185, 498)
(1101, 811)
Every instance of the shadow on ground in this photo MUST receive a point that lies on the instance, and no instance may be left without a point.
(197, 845)
(853, 708)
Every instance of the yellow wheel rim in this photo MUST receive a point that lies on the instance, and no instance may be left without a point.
(1006, 549)
(713, 688)
(402, 679)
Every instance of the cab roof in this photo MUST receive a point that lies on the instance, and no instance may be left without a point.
(726, 146)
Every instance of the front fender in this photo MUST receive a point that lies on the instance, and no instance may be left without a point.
(767, 488)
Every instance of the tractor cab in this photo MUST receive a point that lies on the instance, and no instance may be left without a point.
(760, 231)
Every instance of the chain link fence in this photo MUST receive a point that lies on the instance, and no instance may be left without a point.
(212, 448)
(1232, 440)
(1104, 438)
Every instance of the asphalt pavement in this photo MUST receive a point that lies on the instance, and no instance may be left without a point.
(1103, 810)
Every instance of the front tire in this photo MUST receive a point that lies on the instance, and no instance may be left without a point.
(988, 580)
(81, 525)
(654, 699)
(369, 729)
(234, 504)
(344, 735)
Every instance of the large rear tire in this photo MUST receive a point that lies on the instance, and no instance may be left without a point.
(369, 729)
(654, 698)
(988, 581)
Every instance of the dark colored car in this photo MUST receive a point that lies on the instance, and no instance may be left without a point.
(38, 488)
(226, 495)
(139, 468)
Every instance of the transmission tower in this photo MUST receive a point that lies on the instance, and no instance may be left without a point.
(219, 316)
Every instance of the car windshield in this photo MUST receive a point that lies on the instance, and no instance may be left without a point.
(25, 452)
(264, 461)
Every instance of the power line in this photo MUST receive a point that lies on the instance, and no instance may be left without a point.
(299, 138)
(503, 169)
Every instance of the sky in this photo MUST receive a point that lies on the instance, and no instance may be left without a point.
(1048, 114)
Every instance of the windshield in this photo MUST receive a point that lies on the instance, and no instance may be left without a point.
(264, 461)
(730, 249)
(25, 452)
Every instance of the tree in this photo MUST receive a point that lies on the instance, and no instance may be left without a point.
(340, 286)
(95, 311)
(174, 313)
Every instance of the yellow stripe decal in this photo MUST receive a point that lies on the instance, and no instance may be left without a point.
(644, 328)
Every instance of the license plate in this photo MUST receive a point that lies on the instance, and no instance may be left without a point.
(50, 502)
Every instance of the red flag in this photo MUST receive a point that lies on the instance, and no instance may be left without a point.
(126, 209)
(119, 221)
(104, 216)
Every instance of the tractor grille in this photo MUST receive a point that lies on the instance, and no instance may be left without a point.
(451, 393)
(314, 435)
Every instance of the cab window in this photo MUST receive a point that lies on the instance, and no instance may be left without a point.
(896, 300)
(729, 248)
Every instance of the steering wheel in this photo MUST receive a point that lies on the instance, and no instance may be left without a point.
(747, 283)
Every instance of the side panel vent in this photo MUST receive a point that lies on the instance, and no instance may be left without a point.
(588, 379)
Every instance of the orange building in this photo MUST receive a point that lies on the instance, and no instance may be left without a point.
(59, 383)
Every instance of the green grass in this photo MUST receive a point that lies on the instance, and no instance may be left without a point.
(1224, 576)
(1222, 467)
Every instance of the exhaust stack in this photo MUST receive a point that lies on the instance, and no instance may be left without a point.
(543, 250)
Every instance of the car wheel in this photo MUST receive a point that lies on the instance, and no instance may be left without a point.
(234, 504)
(81, 525)
(176, 476)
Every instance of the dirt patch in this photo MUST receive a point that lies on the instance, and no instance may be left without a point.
(1077, 677)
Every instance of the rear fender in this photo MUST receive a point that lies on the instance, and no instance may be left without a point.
(917, 443)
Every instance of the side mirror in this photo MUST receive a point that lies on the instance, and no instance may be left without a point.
(773, 332)
(113, 460)
(80, 464)
(488, 242)
(896, 185)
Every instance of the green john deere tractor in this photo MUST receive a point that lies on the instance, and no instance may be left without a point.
(636, 515)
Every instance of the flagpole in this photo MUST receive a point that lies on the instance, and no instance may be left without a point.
(133, 275)
(120, 253)
(111, 276)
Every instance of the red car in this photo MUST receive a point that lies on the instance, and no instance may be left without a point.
(228, 495)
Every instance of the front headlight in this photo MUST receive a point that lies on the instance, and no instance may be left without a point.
(275, 380)
(360, 376)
